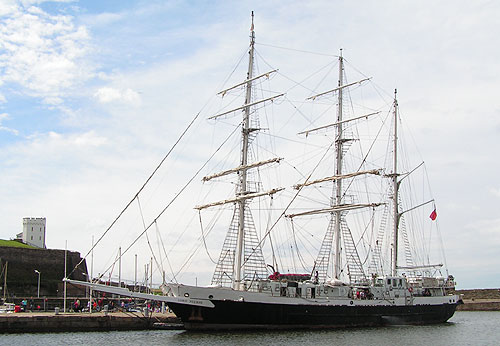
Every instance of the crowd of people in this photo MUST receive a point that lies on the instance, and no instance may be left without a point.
(29, 305)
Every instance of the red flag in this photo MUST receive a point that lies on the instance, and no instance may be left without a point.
(433, 215)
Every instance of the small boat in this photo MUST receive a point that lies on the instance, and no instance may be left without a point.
(7, 308)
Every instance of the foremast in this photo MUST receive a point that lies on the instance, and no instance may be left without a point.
(241, 258)
(245, 132)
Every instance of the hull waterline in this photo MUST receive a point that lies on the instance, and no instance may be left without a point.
(249, 315)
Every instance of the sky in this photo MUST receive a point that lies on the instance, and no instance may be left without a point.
(93, 94)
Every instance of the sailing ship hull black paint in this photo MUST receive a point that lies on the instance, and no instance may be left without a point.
(246, 315)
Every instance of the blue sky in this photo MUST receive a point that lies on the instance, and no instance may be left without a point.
(93, 93)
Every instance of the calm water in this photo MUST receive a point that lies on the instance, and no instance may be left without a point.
(465, 328)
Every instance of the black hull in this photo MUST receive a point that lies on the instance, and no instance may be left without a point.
(245, 315)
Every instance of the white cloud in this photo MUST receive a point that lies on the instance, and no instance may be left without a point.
(67, 142)
(103, 19)
(53, 101)
(7, 6)
(4, 116)
(109, 94)
(27, 3)
(495, 191)
(42, 53)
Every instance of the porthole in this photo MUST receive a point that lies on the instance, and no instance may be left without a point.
(210, 297)
(186, 295)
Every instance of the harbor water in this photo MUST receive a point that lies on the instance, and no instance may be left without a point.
(464, 328)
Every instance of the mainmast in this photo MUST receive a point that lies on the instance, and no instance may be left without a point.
(395, 187)
(338, 171)
(242, 188)
(331, 245)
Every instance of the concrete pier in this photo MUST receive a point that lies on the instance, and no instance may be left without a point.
(72, 322)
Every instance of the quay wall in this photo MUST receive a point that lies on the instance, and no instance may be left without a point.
(480, 305)
(82, 322)
(480, 293)
(480, 299)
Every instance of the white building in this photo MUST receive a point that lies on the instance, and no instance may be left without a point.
(33, 231)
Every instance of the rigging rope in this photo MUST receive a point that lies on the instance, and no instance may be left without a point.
(203, 237)
(370, 223)
(296, 50)
(366, 156)
(138, 192)
(159, 242)
(180, 192)
(151, 176)
(147, 237)
(275, 264)
(299, 256)
(289, 204)
(165, 252)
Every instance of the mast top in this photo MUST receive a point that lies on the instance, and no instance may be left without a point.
(252, 32)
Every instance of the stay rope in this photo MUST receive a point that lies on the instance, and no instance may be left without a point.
(138, 192)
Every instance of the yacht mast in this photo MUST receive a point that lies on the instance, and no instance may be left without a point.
(5, 281)
(338, 171)
(395, 186)
(242, 189)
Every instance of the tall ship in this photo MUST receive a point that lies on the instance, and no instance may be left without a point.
(367, 270)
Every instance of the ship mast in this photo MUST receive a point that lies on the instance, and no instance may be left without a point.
(242, 188)
(331, 246)
(338, 171)
(241, 253)
(338, 207)
(395, 187)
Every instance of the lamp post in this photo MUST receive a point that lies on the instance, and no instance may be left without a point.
(38, 293)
